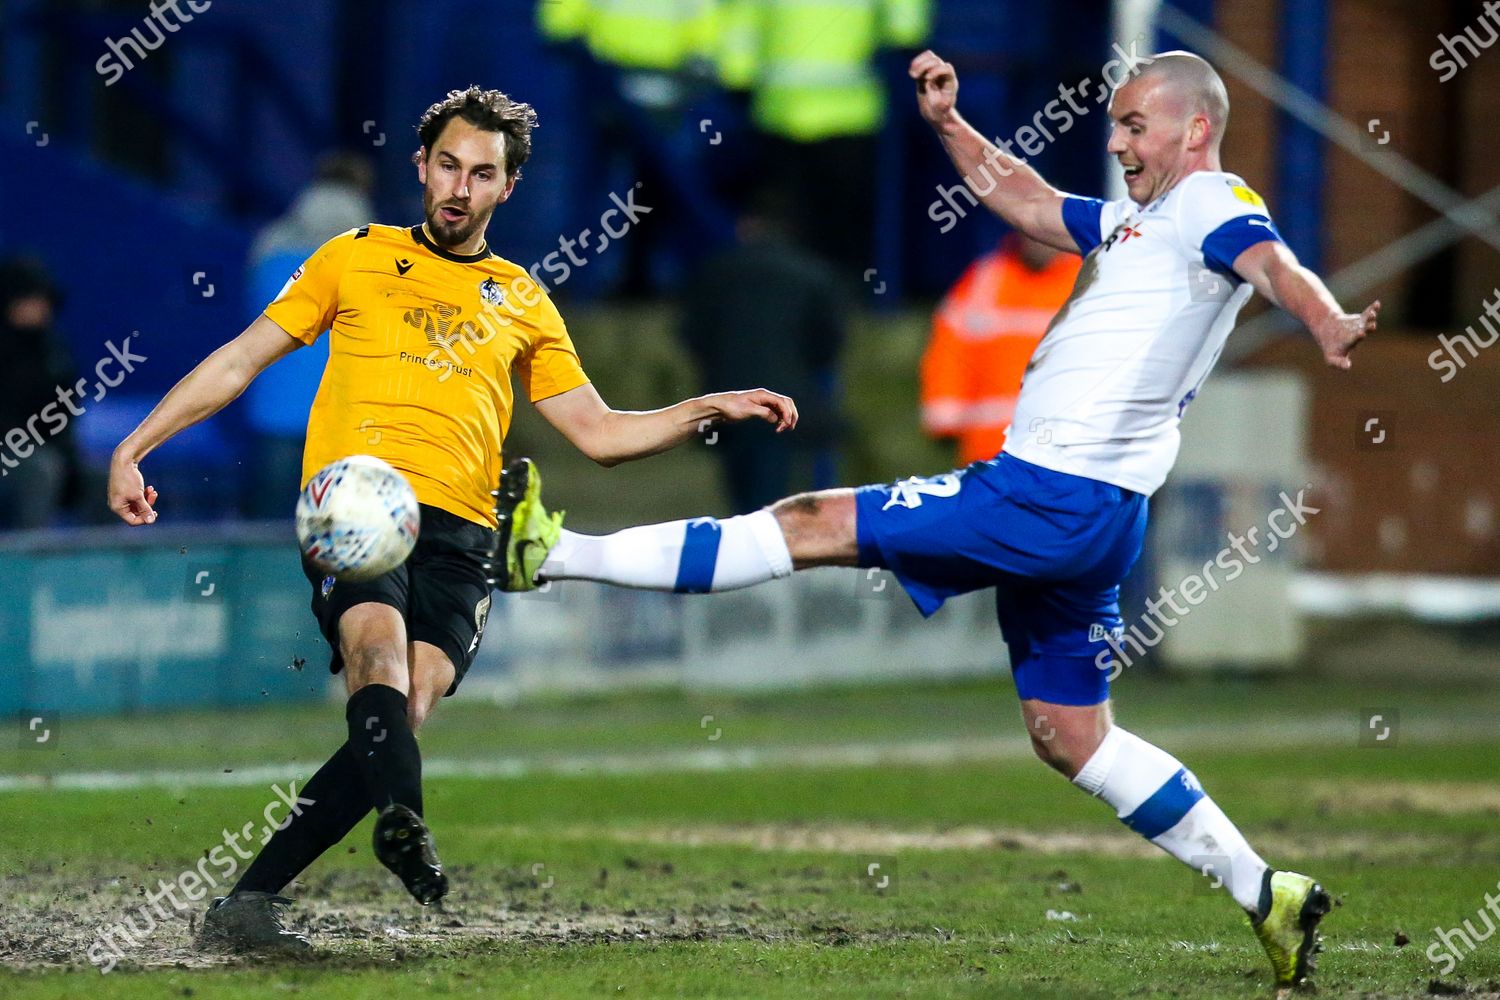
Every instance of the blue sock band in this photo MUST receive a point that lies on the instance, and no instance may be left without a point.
(1166, 806)
(700, 553)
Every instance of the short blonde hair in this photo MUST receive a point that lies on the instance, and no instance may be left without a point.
(1197, 81)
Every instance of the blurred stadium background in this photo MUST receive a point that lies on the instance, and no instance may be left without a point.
(167, 202)
(161, 183)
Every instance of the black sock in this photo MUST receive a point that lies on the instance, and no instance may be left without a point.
(334, 802)
(384, 747)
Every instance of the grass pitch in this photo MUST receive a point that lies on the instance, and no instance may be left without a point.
(633, 846)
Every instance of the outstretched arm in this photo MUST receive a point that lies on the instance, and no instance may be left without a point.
(1273, 270)
(610, 437)
(1006, 186)
(204, 391)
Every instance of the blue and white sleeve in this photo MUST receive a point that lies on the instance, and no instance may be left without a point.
(1083, 218)
(1221, 219)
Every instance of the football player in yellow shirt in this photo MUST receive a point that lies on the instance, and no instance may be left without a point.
(427, 327)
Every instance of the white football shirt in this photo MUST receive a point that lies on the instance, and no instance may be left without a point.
(1149, 314)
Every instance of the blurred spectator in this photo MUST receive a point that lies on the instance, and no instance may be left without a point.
(766, 313)
(279, 400)
(651, 38)
(816, 94)
(337, 200)
(982, 338)
(647, 67)
(50, 476)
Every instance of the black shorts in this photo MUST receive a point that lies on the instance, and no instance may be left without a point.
(441, 590)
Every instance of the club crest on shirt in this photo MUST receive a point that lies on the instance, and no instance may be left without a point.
(491, 292)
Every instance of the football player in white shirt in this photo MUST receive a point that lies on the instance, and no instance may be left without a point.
(1056, 520)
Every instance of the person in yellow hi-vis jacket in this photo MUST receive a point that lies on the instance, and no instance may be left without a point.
(662, 35)
(648, 68)
(815, 94)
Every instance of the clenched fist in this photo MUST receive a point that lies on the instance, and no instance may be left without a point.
(937, 88)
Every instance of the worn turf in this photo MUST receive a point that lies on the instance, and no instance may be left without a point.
(734, 857)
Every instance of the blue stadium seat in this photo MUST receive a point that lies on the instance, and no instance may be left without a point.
(197, 473)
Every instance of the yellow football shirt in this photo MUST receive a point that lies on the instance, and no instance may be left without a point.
(423, 345)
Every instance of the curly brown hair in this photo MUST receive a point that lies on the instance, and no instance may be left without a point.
(489, 110)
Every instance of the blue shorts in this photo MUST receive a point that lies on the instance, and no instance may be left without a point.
(1054, 546)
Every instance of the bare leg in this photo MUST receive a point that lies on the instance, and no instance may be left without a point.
(1066, 736)
(372, 644)
(819, 528)
(432, 675)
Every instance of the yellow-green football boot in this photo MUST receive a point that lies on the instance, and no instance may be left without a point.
(1290, 907)
(524, 532)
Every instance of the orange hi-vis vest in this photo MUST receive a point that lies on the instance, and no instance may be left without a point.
(982, 338)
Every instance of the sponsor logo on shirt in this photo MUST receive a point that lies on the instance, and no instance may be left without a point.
(1123, 232)
(1098, 632)
(439, 321)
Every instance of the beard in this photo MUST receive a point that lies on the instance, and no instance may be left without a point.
(451, 234)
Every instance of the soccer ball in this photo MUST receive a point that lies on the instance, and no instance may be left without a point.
(357, 518)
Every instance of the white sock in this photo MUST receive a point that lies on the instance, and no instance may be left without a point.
(694, 556)
(1157, 797)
